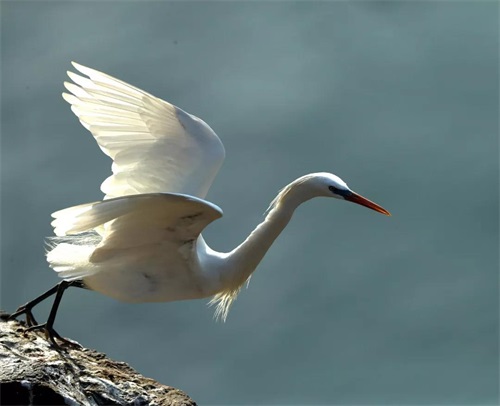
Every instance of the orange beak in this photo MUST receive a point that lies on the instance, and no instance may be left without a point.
(355, 198)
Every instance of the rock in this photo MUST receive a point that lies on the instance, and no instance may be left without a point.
(34, 373)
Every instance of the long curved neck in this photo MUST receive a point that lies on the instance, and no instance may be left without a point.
(243, 260)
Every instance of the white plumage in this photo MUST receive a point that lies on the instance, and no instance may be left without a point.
(142, 243)
(155, 146)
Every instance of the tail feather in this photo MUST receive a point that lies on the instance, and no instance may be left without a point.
(79, 230)
(69, 256)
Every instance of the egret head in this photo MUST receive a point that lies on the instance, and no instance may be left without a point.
(327, 185)
(332, 186)
(324, 184)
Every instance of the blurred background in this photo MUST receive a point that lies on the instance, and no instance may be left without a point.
(400, 99)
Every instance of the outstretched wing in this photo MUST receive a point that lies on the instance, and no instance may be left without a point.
(132, 228)
(178, 217)
(156, 147)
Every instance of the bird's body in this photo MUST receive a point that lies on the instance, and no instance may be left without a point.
(143, 242)
(147, 280)
(150, 250)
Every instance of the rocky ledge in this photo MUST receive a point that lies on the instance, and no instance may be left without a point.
(32, 372)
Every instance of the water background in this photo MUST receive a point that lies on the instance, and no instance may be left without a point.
(400, 99)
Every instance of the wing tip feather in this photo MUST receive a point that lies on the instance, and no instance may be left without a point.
(77, 66)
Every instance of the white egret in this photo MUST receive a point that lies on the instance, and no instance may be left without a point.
(143, 242)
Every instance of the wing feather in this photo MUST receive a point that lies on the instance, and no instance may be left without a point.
(155, 146)
(91, 234)
(160, 210)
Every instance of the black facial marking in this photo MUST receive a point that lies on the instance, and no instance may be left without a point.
(340, 192)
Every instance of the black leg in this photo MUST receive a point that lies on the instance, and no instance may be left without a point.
(26, 309)
(49, 325)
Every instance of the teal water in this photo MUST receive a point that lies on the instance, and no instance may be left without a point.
(400, 99)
